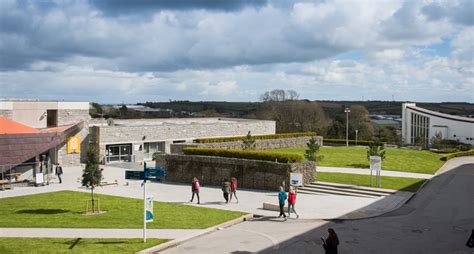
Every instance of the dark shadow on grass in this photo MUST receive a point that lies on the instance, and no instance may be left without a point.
(43, 211)
(357, 165)
(116, 242)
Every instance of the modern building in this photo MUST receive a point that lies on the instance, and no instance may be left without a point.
(53, 117)
(419, 125)
(137, 139)
(34, 135)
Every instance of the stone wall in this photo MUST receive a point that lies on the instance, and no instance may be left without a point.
(67, 117)
(138, 135)
(6, 113)
(251, 174)
(260, 144)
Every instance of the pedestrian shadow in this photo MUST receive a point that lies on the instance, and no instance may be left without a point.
(214, 203)
(43, 211)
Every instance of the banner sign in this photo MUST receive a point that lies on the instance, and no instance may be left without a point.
(74, 144)
(149, 208)
(375, 163)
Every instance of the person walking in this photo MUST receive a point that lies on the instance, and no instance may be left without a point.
(226, 189)
(331, 242)
(233, 189)
(281, 200)
(59, 172)
(292, 202)
(195, 186)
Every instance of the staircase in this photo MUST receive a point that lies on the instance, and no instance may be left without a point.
(325, 188)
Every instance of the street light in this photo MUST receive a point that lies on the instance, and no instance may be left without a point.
(347, 110)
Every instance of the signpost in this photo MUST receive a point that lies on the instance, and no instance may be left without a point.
(148, 173)
(376, 165)
(296, 179)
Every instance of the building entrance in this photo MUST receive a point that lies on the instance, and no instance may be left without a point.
(119, 153)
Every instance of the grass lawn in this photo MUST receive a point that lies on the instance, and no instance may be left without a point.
(396, 159)
(64, 209)
(386, 182)
(75, 245)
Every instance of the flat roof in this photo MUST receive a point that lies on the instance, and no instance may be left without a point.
(171, 121)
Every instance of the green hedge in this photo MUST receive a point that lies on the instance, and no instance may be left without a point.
(271, 136)
(458, 154)
(245, 154)
(343, 141)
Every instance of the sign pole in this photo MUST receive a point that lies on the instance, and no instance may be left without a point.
(144, 211)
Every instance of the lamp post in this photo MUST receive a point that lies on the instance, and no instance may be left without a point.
(347, 110)
(357, 131)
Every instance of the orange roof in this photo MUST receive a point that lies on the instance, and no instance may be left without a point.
(8, 126)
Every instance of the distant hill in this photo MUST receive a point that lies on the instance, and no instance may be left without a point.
(248, 109)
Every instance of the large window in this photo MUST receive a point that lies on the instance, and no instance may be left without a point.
(420, 126)
(150, 148)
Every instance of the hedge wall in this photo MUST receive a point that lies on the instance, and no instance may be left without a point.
(343, 141)
(458, 154)
(245, 154)
(272, 136)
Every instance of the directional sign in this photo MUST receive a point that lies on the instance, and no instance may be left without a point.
(134, 175)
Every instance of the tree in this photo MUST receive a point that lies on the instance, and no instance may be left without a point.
(92, 175)
(311, 154)
(96, 110)
(436, 139)
(376, 149)
(248, 143)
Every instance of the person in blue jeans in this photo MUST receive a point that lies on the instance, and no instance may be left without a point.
(281, 199)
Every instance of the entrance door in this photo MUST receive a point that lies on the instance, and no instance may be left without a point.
(119, 153)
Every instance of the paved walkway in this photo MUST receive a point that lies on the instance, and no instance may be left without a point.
(366, 171)
(97, 232)
(251, 201)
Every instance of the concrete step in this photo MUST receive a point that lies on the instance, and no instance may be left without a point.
(304, 190)
(349, 186)
(343, 189)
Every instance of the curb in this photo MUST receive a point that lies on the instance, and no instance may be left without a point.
(178, 241)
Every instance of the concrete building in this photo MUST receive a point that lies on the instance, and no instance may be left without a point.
(419, 125)
(137, 139)
(52, 117)
(51, 124)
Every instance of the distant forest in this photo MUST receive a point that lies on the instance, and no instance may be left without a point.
(292, 114)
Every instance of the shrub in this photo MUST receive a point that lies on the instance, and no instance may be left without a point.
(445, 150)
(458, 154)
(247, 154)
(351, 141)
(241, 138)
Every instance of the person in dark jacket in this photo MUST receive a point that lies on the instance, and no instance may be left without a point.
(331, 242)
(59, 172)
(195, 186)
(226, 189)
(281, 200)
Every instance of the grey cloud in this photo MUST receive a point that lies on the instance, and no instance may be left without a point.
(118, 7)
(462, 12)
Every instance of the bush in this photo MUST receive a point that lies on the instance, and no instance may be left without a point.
(247, 154)
(449, 143)
(241, 138)
(458, 154)
(351, 141)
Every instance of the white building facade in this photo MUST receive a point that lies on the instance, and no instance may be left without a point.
(419, 125)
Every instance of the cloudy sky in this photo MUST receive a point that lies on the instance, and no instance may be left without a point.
(114, 51)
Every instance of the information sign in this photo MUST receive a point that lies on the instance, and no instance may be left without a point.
(296, 179)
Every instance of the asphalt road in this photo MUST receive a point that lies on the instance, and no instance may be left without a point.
(439, 219)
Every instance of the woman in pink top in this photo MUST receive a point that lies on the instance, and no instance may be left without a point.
(292, 202)
(195, 189)
(233, 189)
